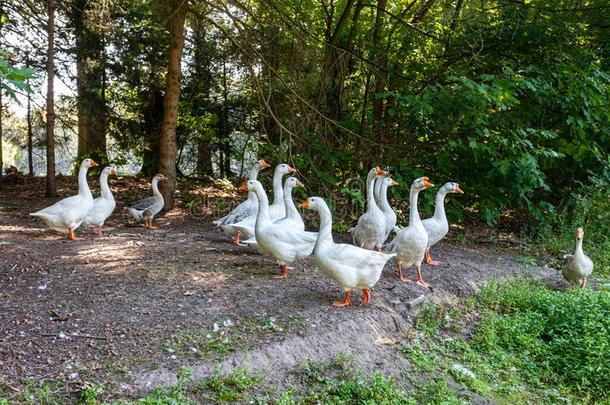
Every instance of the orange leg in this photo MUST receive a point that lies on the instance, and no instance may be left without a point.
(420, 280)
(345, 301)
(401, 277)
(366, 296)
(237, 237)
(284, 273)
(150, 225)
(428, 259)
(72, 236)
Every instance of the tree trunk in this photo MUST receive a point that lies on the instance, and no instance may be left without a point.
(1, 158)
(153, 119)
(381, 61)
(167, 144)
(51, 186)
(201, 98)
(29, 120)
(90, 68)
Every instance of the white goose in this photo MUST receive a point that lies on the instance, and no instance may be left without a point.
(578, 266)
(369, 231)
(67, 215)
(104, 205)
(244, 210)
(411, 242)
(348, 265)
(388, 212)
(277, 210)
(147, 208)
(437, 226)
(377, 190)
(281, 241)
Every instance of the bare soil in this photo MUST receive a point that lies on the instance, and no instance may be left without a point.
(128, 308)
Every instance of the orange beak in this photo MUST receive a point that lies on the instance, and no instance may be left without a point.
(427, 183)
(243, 188)
(304, 204)
(394, 183)
(93, 164)
(292, 170)
(459, 190)
(264, 164)
(299, 184)
(114, 172)
(379, 171)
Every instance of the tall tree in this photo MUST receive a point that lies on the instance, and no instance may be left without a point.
(87, 20)
(167, 143)
(29, 122)
(50, 141)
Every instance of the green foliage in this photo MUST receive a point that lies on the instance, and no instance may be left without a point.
(230, 387)
(335, 382)
(13, 79)
(529, 343)
(174, 395)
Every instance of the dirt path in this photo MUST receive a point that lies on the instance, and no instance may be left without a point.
(127, 309)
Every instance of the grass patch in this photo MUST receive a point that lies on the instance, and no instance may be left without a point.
(336, 382)
(225, 338)
(231, 387)
(530, 343)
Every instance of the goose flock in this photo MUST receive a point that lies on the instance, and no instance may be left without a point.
(278, 230)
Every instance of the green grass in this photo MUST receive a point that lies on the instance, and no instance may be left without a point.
(232, 387)
(337, 382)
(218, 345)
(529, 343)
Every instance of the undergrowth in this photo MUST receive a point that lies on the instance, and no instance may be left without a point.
(530, 343)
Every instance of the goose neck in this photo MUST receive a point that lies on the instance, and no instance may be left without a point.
(278, 192)
(325, 233)
(413, 212)
(263, 206)
(83, 186)
(291, 210)
(104, 189)
(439, 207)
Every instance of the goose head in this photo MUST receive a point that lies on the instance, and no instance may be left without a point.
(283, 168)
(452, 188)
(313, 203)
(160, 177)
(88, 163)
(389, 182)
(580, 233)
(293, 182)
(250, 185)
(109, 170)
(421, 183)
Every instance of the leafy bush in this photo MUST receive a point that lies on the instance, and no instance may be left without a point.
(557, 336)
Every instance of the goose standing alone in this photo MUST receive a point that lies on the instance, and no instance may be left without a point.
(147, 208)
(369, 231)
(411, 242)
(348, 265)
(437, 226)
(68, 214)
(244, 210)
(104, 205)
(577, 267)
(283, 242)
